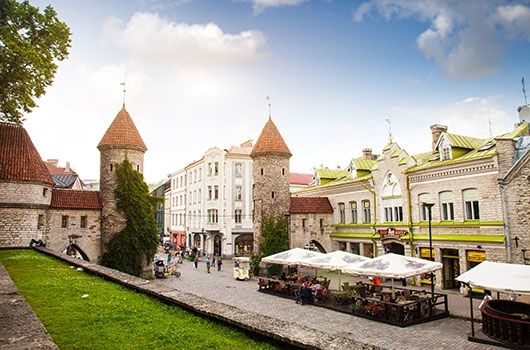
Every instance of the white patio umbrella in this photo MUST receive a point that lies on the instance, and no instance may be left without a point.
(500, 277)
(336, 260)
(295, 256)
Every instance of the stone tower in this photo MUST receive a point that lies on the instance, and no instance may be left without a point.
(121, 140)
(270, 173)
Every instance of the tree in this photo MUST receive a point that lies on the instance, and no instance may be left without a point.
(30, 44)
(274, 240)
(136, 244)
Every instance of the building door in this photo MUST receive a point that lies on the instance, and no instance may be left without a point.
(217, 245)
(451, 268)
(394, 247)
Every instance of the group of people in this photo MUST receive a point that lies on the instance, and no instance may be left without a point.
(210, 262)
(311, 291)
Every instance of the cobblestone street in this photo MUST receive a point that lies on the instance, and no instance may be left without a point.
(222, 287)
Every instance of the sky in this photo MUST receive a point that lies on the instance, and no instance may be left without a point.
(198, 72)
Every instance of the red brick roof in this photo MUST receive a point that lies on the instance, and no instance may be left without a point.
(74, 199)
(57, 170)
(303, 205)
(270, 142)
(123, 133)
(19, 159)
(300, 179)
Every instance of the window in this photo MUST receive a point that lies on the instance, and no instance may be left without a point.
(424, 212)
(445, 152)
(283, 171)
(199, 199)
(111, 167)
(210, 169)
(303, 223)
(213, 217)
(83, 222)
(321, 225)
(216, 192)
(367, 213)
(355, 248)
(237, 216)
(353, 206)
(471, 204)
(194, 196)
(44, 192)
(64, 221)
(342, 213)
(194, 175)
(200, 174)
(261, 171)
(394, 214)
(238, 193)
(210, 193)
(137, 168)
(272, 194)
(238, 170)
(216, 169)
(447, 206)
(40, 222)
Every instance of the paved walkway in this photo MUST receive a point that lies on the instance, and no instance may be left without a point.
(222, 287)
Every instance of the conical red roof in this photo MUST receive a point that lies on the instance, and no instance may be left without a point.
(270, 142)
(19, 159)
(122, 133)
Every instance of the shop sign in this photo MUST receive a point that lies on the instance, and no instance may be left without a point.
(476, 256)
(391, 234)
(424, 253)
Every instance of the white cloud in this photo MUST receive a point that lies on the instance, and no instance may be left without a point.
(155, 42)
(464, 37)
(260, 5)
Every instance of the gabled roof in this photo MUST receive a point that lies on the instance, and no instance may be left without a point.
(461, 141)
(363, 164)
(19, 159)
(74, 199)
(122, 133)
(300, 179)
(325, 173)
(270, 141)
(307, 205)
(64, 180)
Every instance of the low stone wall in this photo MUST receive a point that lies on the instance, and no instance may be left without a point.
(287, 333)
(19, 326)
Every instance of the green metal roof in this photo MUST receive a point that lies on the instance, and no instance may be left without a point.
(363, 164)
(464, 141)
(325, 173)
(517, 132)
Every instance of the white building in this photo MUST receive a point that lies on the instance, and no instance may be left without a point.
(211, 202)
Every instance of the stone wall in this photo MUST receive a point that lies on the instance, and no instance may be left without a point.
(112, 221)
(300, 236)
(25, 193)
(87, 239)
(18, 226)
(270, 192)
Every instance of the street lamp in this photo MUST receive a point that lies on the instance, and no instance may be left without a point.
(429, 211)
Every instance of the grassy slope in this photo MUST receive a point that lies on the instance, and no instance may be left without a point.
(111, 316)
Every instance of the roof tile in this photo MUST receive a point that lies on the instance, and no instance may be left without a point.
(74, 199)
(270, 141)
(303, 205)
(122, 132)
(300, 179)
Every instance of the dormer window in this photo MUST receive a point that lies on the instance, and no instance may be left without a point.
(445, 152)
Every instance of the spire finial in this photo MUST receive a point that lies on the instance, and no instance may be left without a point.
(268, 98)
(389, 122)
(124, 89)
(524, 92)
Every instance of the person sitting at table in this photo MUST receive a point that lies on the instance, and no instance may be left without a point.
(283, 276)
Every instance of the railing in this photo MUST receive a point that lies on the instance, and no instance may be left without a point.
(410, 307)
(507, 321)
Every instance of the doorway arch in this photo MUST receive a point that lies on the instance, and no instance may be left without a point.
(394, 247)
(76, 252)
(317, 245)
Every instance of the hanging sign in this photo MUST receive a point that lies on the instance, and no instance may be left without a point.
(476, 256)
(391, 234)
(424, 253)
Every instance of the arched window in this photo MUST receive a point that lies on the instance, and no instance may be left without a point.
(391, 200)
(353, 207)
(471, 204)
(367, 212)
(447, 207)
(424, 213)
(342, 213)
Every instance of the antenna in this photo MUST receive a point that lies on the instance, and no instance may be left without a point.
(124, 89)
(268, 98)
(490, 123)
(524, 92)
(387, 119)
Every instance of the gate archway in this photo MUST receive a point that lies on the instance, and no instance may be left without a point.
(76, 252)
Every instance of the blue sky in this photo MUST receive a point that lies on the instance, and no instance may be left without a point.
(198, 72)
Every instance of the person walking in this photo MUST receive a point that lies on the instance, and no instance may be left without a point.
(213, 262)
(196, 260)
(208, 264)
(219, 263)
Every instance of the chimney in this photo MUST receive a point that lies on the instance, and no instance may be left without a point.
(53, 162)
(367, 154)
(505, 154)
(437, 130)
(67, 168)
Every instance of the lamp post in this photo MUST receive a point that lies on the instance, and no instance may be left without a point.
(429, 206)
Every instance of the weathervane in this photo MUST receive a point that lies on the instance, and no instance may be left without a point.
(524, 92)
(124, 89)
(268, 98)
(389, 128)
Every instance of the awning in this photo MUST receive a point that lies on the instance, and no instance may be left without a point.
(393, 266)
(498, 277)
(295, 256)
(335, 260)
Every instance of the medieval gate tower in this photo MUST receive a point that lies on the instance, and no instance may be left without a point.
(121, 141)
(270, 173)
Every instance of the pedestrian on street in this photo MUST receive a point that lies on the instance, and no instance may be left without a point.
(208, 263)
(213, 261)
(219, 263)
(196, 260)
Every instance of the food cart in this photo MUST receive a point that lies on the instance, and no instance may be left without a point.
(242, 268)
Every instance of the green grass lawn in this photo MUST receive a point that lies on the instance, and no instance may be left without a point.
(111, 316)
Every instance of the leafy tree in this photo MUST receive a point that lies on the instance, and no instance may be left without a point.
(274, 240)
(136, 244)
(30, 44)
